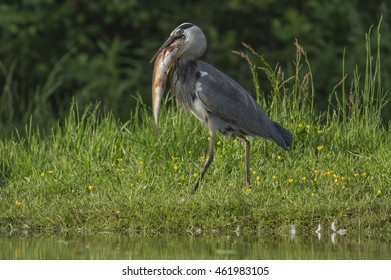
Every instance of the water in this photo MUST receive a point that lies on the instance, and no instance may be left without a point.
(125, 246)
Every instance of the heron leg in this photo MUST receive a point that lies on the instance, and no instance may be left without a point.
(247, 153)
(209, 159)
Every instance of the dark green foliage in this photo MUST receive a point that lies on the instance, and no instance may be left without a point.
(53, 51)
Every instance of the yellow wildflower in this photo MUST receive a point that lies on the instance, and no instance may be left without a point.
(258, 178)
(202, 158)
(248, 190)
(121, 170)
(304, 178)
(274, 177)
(329, 172)
(320, 148)
(316, 171)
(50, 171)
(364, 174)
(379, 192)
(18, 202)
(90, 187)
(279, 157)
(308, 126)
(300, 125)
(42, 174)
(120, 160)
(195, 174)
(319, 131)
(218, 142)
(355, 174)
(175, 167)
(254, 172)
(141, 162)
(290, 180)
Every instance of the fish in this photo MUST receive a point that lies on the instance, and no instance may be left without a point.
(164, 60)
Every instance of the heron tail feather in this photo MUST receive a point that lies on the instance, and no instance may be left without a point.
(284, 137)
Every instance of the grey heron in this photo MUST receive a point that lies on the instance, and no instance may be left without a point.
(213, 97)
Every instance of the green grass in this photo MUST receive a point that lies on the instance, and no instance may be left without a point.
(94, 172)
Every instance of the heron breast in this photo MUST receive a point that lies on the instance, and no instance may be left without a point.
(199, 111)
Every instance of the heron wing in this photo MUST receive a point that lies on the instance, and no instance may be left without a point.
(227, 100)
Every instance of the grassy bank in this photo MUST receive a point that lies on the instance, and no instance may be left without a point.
(94, 172)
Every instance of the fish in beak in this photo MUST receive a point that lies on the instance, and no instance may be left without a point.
(164, 58)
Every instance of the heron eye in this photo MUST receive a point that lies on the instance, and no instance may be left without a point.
(179, 32)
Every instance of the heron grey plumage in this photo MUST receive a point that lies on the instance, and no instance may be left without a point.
(216, 99)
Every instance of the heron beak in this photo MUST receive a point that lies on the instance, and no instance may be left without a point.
(166, 44)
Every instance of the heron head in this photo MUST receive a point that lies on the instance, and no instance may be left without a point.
(194, 43)
(186, 42)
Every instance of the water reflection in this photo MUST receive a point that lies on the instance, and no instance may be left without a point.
(108, 245)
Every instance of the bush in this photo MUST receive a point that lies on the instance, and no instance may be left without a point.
(53, 51)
